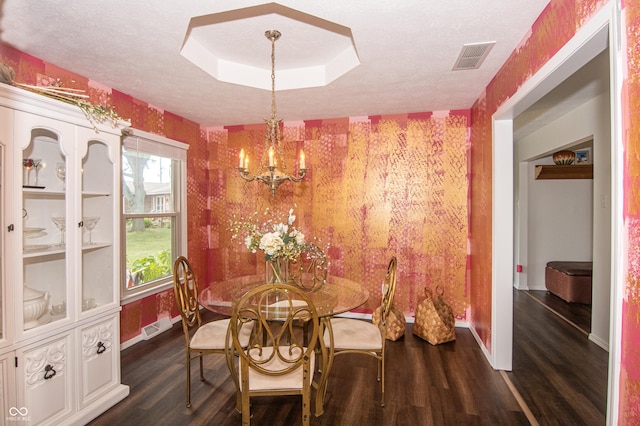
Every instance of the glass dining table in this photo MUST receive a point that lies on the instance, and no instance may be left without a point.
(338, 295)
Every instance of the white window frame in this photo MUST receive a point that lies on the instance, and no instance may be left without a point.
(164, 147)
(159, 202)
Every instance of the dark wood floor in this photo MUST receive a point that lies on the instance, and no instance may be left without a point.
(560, 374)
(577, 314)
(450, 384)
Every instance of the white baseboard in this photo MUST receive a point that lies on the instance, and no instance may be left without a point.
(598, 341)
(140, 337)
(482, 347)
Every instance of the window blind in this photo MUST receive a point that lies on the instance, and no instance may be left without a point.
(138, 140)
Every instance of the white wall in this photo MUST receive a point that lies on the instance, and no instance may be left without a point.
(560, 223)
(590, 119)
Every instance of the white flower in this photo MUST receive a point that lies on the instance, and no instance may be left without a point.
(270, 236)
(247, 241)
(280, 228)
(271, 243)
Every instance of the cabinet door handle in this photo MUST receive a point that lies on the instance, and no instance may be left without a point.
(80, 224)
(101, 348)
(49, 372)
(10, 228)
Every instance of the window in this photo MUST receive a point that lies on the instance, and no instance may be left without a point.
(153, 211)
(159, 202)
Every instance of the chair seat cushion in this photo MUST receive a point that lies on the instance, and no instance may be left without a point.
(213, 335)
(292, 380)
(354, 334)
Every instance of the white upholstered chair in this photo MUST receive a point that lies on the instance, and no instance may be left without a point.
(354, 336)
(284, 365)
(200, 339)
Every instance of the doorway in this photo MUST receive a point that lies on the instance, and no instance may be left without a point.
(590, 41)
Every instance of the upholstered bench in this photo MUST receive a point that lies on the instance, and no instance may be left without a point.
(571, 281)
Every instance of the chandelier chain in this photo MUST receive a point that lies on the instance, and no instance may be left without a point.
(273, 77)
(273, 170)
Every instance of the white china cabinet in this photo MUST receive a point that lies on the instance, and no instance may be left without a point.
(60, 310)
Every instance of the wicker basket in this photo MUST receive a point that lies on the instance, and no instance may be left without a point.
(395, 325)
(435, 322)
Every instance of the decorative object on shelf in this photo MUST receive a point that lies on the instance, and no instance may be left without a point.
(33, 231)
(34, 248)
(564, 157)
(96, 114)
(281, 242)
(583, 156)
(38, 164)
(27, 163)
(90, 223)
(273, 169)
(60, 223)
(61, 173)
(35, 306)
(59, 309)
(88, 304)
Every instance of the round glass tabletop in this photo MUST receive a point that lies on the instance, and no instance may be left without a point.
(338, 295)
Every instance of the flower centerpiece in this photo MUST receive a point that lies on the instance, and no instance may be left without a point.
(281, 242)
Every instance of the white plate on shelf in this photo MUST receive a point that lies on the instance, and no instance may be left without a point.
(30, 248)
(30, 230)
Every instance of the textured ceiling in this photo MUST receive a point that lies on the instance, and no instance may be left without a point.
(406, 51)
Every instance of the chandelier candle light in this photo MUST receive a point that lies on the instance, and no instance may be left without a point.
(273, 170)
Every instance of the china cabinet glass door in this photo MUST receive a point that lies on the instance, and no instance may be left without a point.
(44, 225)
(2, 243)
(98, 256)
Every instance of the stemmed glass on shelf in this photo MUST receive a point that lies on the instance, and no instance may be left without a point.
(61, 172)
(27, 163)
(90, 223)
(60, 223)
(37, 164)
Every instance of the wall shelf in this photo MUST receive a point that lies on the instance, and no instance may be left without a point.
(573, 171)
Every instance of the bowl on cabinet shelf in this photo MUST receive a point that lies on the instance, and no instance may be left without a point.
(35, 304)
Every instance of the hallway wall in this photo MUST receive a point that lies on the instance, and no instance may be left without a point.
(589, 120)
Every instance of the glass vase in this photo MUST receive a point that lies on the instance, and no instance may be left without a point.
(277, 271)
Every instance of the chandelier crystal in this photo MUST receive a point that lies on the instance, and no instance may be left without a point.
(273, 169)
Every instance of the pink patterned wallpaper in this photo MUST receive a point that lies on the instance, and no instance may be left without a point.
(554, 27)
(377, 186)
(375, 205)
(629, 408)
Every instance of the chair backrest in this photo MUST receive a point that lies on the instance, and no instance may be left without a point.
(388, 288)
(185, 288)
(309, 270)
(279, 348)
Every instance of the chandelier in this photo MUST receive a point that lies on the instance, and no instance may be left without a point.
(273, 169)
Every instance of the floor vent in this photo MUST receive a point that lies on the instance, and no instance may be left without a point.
(472, 55)
(156, 328)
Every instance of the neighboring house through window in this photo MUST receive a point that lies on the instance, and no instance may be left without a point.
(153, 212)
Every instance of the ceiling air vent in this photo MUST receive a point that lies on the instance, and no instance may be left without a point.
(472, 55)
